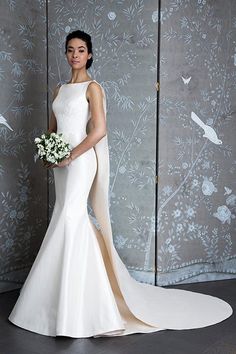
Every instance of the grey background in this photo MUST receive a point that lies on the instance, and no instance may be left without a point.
(196, 185)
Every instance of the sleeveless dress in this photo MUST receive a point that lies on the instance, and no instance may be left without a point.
(78, 285)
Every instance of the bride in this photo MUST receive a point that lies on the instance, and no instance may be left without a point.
(78, 286)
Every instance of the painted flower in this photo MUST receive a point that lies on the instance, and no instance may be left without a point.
(176, 213)
(179, 227)
(9, 243)
(190, 212)
(206, 164)
(111, 15)
(209, 121)
(171, 248)
(213, 103)
(224, 214)
(120, 241)
(195, 182)
(155, 16)
(23, 197)
(191, 227)
(122, 169)
(208, 187)
(167, 190)
(168, 241)
(20, 215)
(13, 214)
(231, 200)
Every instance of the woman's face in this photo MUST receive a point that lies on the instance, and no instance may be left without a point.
(77, 53)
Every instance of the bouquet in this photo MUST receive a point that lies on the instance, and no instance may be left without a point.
(52, 148)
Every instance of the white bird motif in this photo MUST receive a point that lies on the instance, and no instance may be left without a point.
(227, 191)
(209, 131)
(186, 81)
(4, 122)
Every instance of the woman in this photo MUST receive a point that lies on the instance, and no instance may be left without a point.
(78, 286)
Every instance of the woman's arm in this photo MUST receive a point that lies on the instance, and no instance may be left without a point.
(97, 123)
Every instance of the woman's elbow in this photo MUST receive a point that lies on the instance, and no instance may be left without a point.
(101, 135)
(102, 132)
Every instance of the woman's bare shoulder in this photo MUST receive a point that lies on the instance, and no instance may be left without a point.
(95, 87)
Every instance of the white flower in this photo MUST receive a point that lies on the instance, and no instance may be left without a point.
(231, 200)
(167, 190)
(191, 227)
(208, 187)
(171, 248)
(120, 241)
(52, 148)
(155, 16)
(224, 214)
(179, 227)
(67, 29)
(195, 183)
(176, 213)
(168, 241)
(122, 169)
(190, 212)
(37, 140)
(111, 15)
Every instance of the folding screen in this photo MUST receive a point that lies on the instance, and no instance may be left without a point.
(195, 197)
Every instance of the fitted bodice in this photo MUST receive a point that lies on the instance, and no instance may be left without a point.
(72, 111)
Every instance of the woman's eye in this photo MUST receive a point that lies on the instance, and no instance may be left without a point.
(71, 50)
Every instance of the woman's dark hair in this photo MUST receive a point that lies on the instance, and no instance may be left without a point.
(86, 38)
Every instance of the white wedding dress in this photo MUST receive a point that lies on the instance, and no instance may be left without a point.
(78, 286)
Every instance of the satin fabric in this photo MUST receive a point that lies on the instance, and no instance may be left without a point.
(78, 285)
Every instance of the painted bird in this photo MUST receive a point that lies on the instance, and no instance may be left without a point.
(227, 191)
(186, 81)
(4, 122)
(209, 131)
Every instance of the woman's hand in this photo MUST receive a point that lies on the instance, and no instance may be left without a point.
(47, 164)
(63, 163)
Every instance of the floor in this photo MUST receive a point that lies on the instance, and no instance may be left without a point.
(217, 339)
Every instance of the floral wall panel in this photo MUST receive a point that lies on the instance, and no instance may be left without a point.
(23, 199)
(196, 190)
(124, 35)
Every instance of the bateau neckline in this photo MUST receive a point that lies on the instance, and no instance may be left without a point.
(75, 83)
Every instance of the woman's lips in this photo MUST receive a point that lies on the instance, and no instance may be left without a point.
(75, 62)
